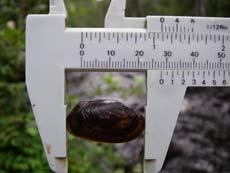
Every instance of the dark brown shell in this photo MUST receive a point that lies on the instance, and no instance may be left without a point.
(106, 121)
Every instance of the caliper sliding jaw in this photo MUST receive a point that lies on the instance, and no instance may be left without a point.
(51, 49)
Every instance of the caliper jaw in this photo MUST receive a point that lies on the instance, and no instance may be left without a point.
(163, 107)
(45, 79)
(57, 7)
(115, 17)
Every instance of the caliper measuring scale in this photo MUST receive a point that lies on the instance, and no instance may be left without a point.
(175, 52)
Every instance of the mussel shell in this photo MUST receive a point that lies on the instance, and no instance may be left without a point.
(106, 121)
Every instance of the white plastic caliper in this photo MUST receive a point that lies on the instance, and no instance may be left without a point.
(175, 52)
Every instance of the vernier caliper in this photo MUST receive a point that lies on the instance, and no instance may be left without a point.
(175, 52)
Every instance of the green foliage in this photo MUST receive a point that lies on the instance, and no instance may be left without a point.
(13, 98)
(81, 14)
(12, 55)
(218, 8)
(90, 157)
(20, 145)
(112, 83)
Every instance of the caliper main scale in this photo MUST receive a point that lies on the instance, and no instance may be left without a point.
(192, 58)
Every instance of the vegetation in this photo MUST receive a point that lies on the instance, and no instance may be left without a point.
(20, 147)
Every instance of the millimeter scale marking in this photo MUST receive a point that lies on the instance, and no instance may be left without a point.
(199, 64)
(174, 52)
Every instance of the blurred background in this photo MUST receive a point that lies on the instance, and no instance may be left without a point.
(201, 142)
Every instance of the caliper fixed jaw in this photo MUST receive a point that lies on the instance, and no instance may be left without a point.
(45, 79)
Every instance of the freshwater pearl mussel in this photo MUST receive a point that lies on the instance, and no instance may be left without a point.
(107, 121)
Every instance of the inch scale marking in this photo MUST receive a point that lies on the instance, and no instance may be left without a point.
(175, 52)
(204, 56)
